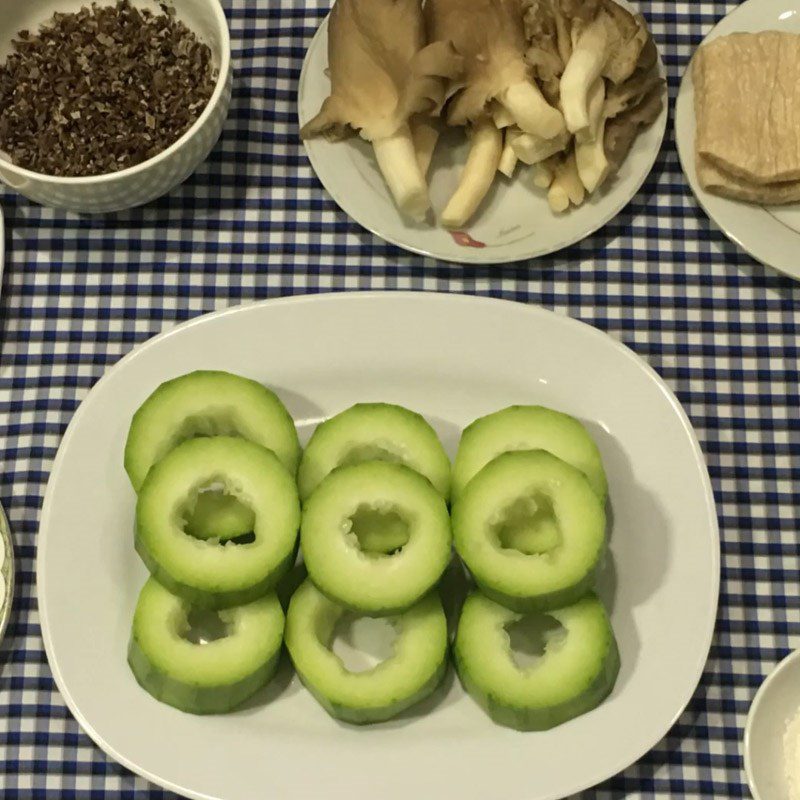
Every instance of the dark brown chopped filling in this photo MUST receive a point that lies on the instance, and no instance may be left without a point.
(101, 90)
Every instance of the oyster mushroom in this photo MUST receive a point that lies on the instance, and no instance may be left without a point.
(607, 41)
(383, 75)
(497, 83)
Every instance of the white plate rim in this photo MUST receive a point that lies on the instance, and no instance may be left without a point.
(768, 250)
(711, 512)
(479, 255)
(7, 571)
(2, 247)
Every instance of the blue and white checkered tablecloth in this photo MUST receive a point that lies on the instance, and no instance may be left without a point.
(78, 293)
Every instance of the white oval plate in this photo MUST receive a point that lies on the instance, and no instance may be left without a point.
(770, 234)
(453, 358)
(515, 221)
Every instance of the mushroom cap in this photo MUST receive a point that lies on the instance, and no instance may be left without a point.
(627, 95)
(581, 10)
(490, 37)
(381, 71)
(622, 130)
(547, 31)
(626, 33)
(627, 36)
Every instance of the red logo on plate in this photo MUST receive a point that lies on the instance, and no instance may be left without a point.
(463, 239)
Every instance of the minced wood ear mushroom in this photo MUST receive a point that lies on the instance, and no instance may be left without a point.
(101, 90)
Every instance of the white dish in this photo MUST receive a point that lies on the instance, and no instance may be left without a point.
(515, 221)
(6, 572)
(2, 248)
(770, 234)
(452, 358)
(774, 706)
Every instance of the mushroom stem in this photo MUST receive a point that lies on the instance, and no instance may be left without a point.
(532, 149)
(477, 175)
(542, 175)
(398, 163)
(566, 187)
(508, 159)
(531, 111)
(590, 155)
(426, 135)
(582, 70)
(502, 117)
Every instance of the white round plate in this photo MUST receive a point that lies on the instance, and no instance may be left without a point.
(453, 358)
(6, 573)
(770, 234)
(515, 221)
(2, 248)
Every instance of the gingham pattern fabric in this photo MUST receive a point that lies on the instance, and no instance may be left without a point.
(253, 223)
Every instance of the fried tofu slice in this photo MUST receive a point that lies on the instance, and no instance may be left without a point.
(747, 104)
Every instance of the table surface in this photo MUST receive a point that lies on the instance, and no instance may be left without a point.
(79, 293)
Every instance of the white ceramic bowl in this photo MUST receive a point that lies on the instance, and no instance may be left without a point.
(150, 179)
(774, 707)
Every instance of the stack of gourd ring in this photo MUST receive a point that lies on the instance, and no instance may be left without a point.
(529, 521)
(214, 457)
(376, 539)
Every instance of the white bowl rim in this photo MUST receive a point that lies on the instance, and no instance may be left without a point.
(87, 180)
(755, 706)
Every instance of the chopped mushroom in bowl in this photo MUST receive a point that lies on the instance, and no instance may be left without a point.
(74, 133)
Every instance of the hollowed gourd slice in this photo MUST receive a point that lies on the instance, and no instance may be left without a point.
(202, 404)
(212, 574)
(199, 676)
(412, 671)
(335, 557)
(379, 532)
(527, 428)
(574, 673)
(374, 432)
(494, 501)
(218, 515)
